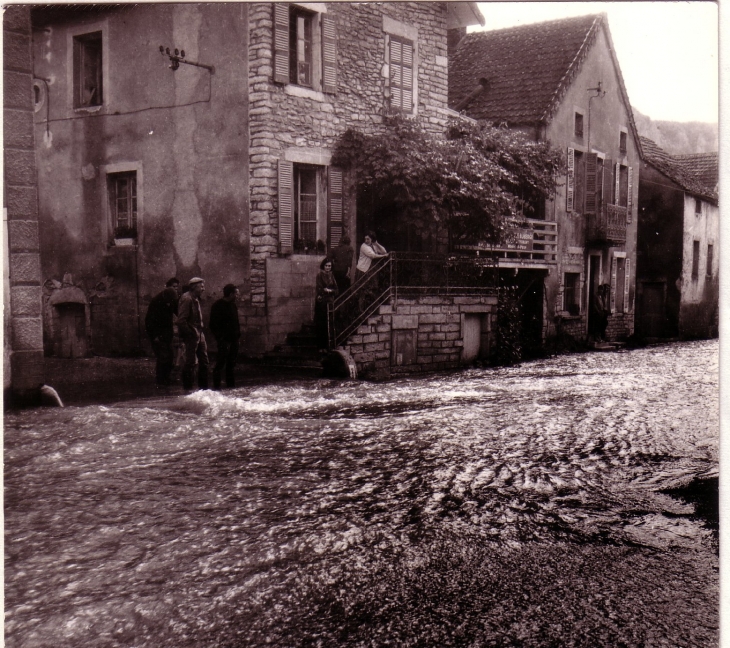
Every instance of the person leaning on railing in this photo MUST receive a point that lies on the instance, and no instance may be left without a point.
(368, 253)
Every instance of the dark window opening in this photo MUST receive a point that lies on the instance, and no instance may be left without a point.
(622, 142)
(620, 284)
(88, 81)
(578, 124)
(300, 47)
(698, 206)
(571, 293)
(623, 187)
(123, 204)
(695, 259)
(709, 259)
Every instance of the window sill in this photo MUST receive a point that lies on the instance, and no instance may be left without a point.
(306, 93)
(566, 316)
(88, 109)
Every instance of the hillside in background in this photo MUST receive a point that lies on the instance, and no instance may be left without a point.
(678, 138)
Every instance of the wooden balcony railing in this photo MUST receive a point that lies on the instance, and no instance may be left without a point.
(529, 243)
(607, 226)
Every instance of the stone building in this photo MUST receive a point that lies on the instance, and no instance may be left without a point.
(196, 139)
(560, 81)
(677, 276)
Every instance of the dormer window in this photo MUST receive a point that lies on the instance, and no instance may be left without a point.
(622, 139)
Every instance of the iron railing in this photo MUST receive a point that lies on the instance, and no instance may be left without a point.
(407, 274)
(608, 225)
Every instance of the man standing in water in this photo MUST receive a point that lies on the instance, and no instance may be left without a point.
(226, 328)
(190, 325)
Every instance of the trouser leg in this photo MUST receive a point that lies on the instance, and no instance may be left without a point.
(202, 354)
(163, 368)
(191, 348)
(231, 358)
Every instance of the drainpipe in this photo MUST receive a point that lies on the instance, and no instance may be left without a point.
(599, 93)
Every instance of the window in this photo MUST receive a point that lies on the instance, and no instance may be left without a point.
(300, 47)
(622, 186)
(401, 74)
(571, 293)
(310, 208)
(618, 288)
(622, 138)
(695, 260)
(698, 206)
(580, 182)
(578, 124)
(122, 189)
(599, 184)
(88, 82)
(305, 48)
(709, 259)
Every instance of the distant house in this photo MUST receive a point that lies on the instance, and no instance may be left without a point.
(678, 237)
(560, 81)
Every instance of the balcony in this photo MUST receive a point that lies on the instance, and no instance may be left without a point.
(529, 244)
(608, 226)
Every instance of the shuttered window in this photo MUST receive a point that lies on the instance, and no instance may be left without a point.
(401, 74)
(630, 193)
(329, 55)
(334, 207)
(607, 181)
(570, 181)
(627, 284)
(281, 42)
(300, 47)
(591, 182)
(286, 206)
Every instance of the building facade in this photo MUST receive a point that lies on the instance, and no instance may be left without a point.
(196, 139)
(560, 81)
(678, 239)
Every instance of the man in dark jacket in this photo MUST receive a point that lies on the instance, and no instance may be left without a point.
(342, 263)
(190, 326)
(158, 324)
(225, 327)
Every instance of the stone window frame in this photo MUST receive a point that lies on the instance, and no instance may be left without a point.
(402, 31)
(576, 134)
(623, 140)
(107, 226)
(574, 272)
(73, 33)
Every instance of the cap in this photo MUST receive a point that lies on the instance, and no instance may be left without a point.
(195, 280)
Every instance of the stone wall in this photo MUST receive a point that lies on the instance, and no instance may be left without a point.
(289, 122)
(420, 334)
(21, 208)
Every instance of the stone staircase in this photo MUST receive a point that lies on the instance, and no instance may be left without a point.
(298, 352)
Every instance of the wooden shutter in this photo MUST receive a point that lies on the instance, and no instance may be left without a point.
(627, 283)
(629, 204)
(286, 206)
(329, 55)
(281, 42)
(334, 207)
(617, 184)
(570, 180)
(591, 168)
(614, 273)
(607, 181)
(401, 74)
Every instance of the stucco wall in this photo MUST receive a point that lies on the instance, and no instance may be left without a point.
(601, 135)
(185, 134)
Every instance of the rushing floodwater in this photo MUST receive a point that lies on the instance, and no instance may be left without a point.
(524, 506)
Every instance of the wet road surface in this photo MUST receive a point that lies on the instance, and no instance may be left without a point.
(549, 504)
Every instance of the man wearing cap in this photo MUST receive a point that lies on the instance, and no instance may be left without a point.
(190, 325)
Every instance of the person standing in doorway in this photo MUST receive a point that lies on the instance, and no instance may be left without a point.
(326, 291)
(190, 325)
(342, 263)
(159, 326)
(226, 329)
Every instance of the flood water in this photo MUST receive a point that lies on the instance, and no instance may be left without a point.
(548, 504)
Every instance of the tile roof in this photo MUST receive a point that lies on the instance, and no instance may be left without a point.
(525, 68)
(696, 173)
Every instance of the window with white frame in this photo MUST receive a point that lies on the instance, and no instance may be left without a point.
(401, 74)
(571, 293)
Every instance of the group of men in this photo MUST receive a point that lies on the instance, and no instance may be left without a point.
(169, 308)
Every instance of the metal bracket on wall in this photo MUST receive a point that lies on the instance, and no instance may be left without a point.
(178, 56)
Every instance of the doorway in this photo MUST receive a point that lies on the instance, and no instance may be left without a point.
(594, 280)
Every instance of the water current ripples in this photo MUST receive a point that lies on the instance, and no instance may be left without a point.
(518, 506)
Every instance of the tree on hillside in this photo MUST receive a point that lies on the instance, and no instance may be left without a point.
(460, 187)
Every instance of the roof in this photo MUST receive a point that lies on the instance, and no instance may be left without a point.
(524, 72)
(463, 14)
(696, 173)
